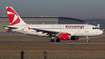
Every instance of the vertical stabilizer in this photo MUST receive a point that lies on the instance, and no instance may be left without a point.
(14, 18)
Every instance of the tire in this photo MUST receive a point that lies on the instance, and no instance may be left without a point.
(88, 41)
(58, 40)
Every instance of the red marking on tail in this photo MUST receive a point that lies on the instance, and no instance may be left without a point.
(13, 16)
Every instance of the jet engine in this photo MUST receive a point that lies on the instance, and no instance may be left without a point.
(65, 36)
(74, 38)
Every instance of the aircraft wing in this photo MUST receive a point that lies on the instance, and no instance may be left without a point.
(45, 31)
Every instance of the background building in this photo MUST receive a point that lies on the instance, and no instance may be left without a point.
(40, 20)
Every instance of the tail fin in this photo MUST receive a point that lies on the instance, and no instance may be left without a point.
(14, 18)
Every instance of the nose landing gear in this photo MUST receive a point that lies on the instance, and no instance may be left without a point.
(87, 39)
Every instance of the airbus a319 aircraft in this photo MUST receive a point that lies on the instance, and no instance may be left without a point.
(56, 31)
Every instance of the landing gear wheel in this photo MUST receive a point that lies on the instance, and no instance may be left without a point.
(52, 40)
(58, 40)
(88, 41)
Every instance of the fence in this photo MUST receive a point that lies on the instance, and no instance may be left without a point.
(56, 56)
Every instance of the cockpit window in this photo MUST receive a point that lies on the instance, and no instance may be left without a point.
(95, 28)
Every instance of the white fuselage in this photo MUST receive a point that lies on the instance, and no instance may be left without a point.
(73, 29)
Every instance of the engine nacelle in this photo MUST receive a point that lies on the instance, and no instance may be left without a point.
(65, 36)
(74, 38)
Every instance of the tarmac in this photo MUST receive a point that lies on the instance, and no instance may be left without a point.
(18, 34)
(11, 34)
(50, 43)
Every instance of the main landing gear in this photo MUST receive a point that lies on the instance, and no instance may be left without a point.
(52, 39)
(87, 39)
(57, 39)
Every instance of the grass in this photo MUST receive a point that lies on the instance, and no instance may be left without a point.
(54, 51)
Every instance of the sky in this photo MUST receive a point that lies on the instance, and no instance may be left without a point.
(80, 9)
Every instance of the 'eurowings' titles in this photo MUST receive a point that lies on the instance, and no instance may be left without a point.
(75, 27)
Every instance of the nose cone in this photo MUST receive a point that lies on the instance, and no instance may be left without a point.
(100, 32)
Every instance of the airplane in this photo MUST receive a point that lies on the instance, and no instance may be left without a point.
(56, 31)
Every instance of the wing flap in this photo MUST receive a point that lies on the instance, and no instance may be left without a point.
(45, 31)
